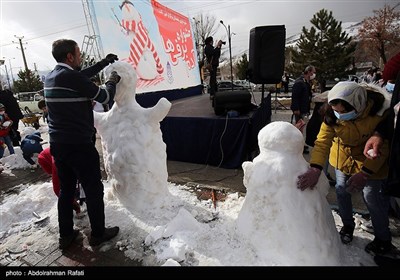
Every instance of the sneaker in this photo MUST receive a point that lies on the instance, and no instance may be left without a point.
(108, 234)
(346, 234)
(66, 241)
(379, 247)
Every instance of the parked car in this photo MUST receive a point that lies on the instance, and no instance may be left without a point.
(246, 84)
(28, 101)
(227, 85)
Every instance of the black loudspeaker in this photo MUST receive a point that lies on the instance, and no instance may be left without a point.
(238, 100)
(267, 54)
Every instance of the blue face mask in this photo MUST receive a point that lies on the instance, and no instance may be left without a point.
(390, 87)
(346, 116)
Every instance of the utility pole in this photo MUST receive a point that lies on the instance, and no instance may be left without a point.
(228, 31)
(22, 50)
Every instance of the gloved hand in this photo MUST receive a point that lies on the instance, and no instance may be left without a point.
(309, 179)
(114, 78)
(356, 182)
(110, 58)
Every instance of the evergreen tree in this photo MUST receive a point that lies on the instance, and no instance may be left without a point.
(28, 81)
(326, 47)
(241, 67)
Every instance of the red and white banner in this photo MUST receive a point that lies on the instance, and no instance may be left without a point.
(156, 40)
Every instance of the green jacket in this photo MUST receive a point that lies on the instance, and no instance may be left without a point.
(345, 142)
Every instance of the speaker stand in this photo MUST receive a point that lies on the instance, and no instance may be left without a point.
(277, 103)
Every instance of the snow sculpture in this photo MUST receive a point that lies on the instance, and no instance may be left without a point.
(134, 153)
(280, 220)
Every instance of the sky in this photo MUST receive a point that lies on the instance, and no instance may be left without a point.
(39, 23)
(274, 224)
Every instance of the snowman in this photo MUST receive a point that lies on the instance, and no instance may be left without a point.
(133, 149)
(142, 52)
(295, 227)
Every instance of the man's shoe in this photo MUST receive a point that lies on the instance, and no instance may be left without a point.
(66, 241)
(379, 248)
(346, 234)
(108, 234)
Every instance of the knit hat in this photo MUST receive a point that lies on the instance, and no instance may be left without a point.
(351, 92)
(392, 68)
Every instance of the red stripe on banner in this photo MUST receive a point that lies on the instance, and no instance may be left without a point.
(147, 83)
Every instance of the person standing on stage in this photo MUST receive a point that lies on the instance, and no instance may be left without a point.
(212, 59)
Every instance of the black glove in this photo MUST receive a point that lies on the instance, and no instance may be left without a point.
(114, 78)
(110, 58)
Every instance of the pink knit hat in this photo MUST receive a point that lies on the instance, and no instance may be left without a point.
(392, 68)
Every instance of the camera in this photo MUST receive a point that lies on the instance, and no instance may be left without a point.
(223, 42)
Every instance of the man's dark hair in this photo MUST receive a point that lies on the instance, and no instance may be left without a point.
(41, 104)
(61, 48)
(208, 40)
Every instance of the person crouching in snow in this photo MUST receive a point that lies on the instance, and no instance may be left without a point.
(30, 145)
(46, 162)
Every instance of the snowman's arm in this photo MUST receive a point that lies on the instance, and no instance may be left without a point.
(160, 110)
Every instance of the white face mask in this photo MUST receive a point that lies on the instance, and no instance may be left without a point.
(312, 77)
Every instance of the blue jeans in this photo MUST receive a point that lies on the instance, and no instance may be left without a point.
(377, 203)
(8, 142)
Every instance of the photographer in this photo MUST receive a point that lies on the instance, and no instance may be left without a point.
(212, 56)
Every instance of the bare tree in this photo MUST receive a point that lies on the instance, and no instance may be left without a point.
(204, 26)
(381, 32)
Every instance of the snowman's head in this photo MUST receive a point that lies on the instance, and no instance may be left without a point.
(129, 12)
(281, 137)
(126, 88)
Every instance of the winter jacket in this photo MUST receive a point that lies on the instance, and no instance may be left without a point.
(12, 108)
(4, 131)
(212, 55)
(31, 144)
(301, 96)
(388, 131)
(345, 142)
(69, 94)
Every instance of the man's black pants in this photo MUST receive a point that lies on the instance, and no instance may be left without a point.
(79, 162)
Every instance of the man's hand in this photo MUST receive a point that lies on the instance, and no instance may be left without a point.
(356, 182)
(219, 44)
(309, 179)
(375, 143)
(110, 58)
(114, 78)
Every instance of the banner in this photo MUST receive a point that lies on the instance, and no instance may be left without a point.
(157, 41)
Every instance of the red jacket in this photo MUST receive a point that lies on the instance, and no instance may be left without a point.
(4, 131)
(46, 161)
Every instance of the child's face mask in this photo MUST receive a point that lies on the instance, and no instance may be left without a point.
(346, 116)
